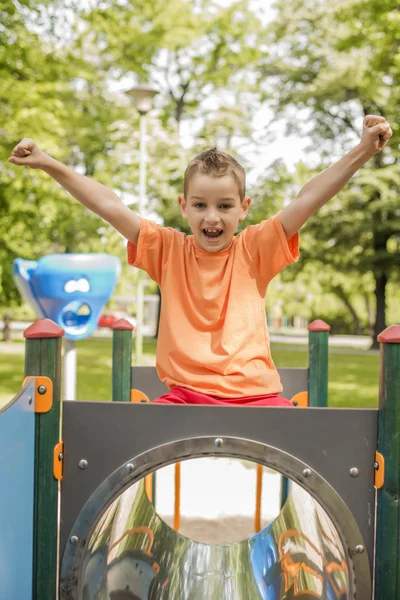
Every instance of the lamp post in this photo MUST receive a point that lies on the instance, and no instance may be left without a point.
(142, 97)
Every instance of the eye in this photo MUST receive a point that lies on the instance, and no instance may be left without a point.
(199, 205)
(226, 206)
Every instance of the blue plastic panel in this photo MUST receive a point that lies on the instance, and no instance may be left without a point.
(69, 289)
(17, 441)
(23, 271)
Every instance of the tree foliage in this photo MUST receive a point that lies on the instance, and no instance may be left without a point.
(319, 66)
(330, 65)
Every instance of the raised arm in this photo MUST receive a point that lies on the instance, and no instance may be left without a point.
(95, 196)
(376, 134)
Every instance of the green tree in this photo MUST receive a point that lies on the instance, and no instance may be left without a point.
(333, 64)
(49, 92)
(194, 52)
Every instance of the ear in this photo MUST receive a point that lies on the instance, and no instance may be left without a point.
(245, 208)
(182, 205)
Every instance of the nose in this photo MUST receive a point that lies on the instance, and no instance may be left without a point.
(212, 216)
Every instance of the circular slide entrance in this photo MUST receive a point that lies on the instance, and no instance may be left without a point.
(313, 549)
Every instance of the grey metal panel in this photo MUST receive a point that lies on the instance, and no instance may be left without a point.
(17, 452)
(146, 379)
(294, 380)
(329, 441)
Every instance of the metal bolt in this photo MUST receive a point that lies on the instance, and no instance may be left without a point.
(83, 463)
(294, 403)
(129, 467)
(307, 472)
(376, 466)
(218, 442)
(354, 472)
(42, 389)
(74, 540)
(60, 456)
(30, 399)
(359, 549)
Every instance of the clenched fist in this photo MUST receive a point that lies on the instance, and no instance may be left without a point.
(376, 134)
(27, 154)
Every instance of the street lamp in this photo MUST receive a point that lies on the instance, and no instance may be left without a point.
(142, 97)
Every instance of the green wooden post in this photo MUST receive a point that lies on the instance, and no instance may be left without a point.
(121, 361)
(122, 369)
(43, 357)
(317, 378)
(318, 363)
(387, 564)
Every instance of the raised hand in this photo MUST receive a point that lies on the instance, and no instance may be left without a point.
(376, 134)
(27, 154)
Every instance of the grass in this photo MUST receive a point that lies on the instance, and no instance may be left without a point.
(353, 375)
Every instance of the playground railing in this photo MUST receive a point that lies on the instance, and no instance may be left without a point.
(39, 403)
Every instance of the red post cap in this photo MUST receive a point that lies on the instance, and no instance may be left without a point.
(43, 328)
(122, 324)
(391, 335)
(319, 325)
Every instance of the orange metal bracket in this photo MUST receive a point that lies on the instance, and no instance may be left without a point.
(139, 396)
(257, 517)
(300, 400)
(379, 478)
(58, 461)
(43, 393)
(148, 486)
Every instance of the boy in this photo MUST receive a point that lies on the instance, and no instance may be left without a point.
(213, 345)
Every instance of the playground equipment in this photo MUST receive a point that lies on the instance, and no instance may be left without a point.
(304, 386)
(111, 544)
(71, 290)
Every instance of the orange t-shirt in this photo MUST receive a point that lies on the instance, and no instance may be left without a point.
(213, 335)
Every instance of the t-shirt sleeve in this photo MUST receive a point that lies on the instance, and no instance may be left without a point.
(269, 248)
(152, 250)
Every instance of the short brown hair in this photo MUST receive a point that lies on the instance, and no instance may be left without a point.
(217, 163)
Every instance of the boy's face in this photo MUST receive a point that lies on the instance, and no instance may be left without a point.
(213, 209)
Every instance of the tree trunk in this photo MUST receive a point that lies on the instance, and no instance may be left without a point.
(7, 328)
(339, 291)
(380, 316)
(181, 103)
(370, 314)
(380, 239)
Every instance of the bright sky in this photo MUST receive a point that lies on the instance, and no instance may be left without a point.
(290, 148)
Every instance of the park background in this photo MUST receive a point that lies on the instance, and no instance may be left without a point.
(282, 86)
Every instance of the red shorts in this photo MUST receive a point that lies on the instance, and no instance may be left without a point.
(180, 395)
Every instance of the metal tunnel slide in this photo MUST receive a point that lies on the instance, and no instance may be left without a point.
(115, 547)
(133, 555)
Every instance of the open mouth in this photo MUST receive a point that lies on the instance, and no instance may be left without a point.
(213, 234)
